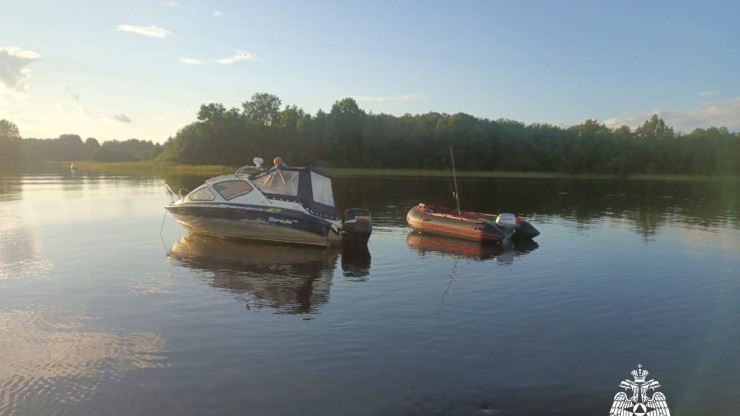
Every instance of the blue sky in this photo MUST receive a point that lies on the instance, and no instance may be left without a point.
(117, 70)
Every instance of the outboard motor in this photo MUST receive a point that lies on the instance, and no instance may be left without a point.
(357, 227)
(507, 224)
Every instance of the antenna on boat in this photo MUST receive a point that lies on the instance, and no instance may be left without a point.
(456, 194)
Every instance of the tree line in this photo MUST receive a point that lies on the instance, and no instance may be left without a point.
(348, 136)
(15, 152)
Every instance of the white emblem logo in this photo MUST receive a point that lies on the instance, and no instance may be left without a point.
(640, 404)
(282, 220)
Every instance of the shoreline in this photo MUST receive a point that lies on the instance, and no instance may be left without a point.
(154, 167)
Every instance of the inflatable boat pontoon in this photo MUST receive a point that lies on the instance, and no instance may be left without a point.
(474, 226)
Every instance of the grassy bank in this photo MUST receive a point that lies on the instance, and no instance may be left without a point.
(148, 166)
(343, 172)
(206, 170)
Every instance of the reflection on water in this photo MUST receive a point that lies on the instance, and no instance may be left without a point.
(503, 252)
(626, 272)
(20, 251)
(20, 248)
(646, 206)
(50, 357)
(10, 188)
(356, 262)
(291, 279)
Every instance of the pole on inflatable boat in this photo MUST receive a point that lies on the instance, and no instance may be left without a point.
(454, 177)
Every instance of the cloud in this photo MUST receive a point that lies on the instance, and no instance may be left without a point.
(628, 119)
(170, 4)
(709, 93)
(238, 57)
(75, 96)
(402, 97)
(81, 110)
(715, 114)
(151, 31)
(123, 118)
(191, 61)
(14, 69)
(218, 13)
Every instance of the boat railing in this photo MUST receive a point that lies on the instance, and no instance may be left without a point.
(170, 193)
(257, 167)
(241, 170)
(218, 178)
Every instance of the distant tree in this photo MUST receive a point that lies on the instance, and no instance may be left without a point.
(263, 108)
(346, 106)
(591, 128)
(345, 141)
(211, 111)
(124, 151)
(69, 147)
(655, 128)
(8, 130)
(11, 154)
(91, 145)
(303, 124)
(289, 117)
(623, 131)
(70, 139)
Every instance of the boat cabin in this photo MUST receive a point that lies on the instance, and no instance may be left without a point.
(306, 187)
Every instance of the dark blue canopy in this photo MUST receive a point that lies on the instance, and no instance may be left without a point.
(308, 186)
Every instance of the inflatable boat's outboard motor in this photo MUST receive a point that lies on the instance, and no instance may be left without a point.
(357, 227)
(515, 228)
(507, 224)
(525, 231)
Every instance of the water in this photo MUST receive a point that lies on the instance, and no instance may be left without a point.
(99, 315)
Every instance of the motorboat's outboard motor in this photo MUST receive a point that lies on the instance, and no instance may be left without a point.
(357, 227)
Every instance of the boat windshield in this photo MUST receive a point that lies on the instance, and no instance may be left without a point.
(278, 182)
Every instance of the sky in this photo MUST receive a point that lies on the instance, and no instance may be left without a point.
(141, 69)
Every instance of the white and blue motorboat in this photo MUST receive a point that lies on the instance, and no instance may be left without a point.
(283, 204)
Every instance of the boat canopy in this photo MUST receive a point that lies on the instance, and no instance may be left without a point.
(308, 186)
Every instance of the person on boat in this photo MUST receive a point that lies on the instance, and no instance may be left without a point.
(278, 162)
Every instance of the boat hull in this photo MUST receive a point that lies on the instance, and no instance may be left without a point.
(255, 223)
(451, 226)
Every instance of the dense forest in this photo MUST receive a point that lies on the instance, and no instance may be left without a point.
(347, 136)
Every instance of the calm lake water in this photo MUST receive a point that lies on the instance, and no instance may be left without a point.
(100, 315)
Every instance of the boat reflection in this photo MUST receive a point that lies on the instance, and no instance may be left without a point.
(356, 262)
(457, 248)
(290, 279)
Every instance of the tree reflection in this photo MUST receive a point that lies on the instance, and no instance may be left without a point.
(10, 188)
(649, 205)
